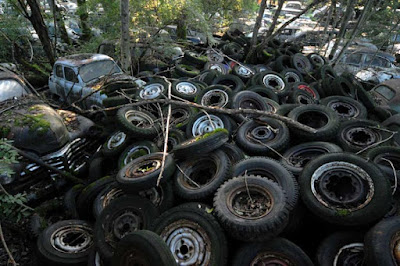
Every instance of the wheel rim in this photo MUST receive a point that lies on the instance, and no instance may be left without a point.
(344, 109)
(261, 133)
(200, 172)
(313, 119)
(217, 98)
(255, 207)
(342, 185)
(395, 245)
(216, 67)
(301, 157)
(139, 119)
(111, 195)
(274, 81)
(214, 57)
(135, 153)
(125, 223)
(361, 136)
(143, 168)
(206, 124)
(243, 71)
(292, 77)
(186, 88)
(303, 99)
(308, 89)
(318, 60)
(155, 195)
(116, 140)
(151, 91)
(188, 242)
(179, 115)
(72, 239)
(268, 259)
(351, 254)
(250, 104)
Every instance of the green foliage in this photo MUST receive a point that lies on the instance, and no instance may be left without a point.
(8, 155)
(12, 207)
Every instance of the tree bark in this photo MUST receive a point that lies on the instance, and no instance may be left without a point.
(38, 24)
(83, 17)
(181, 28)
(59, 21)
(275, 19)
(125, 36)
(256, 28)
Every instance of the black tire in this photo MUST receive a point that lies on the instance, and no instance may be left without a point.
(342, 86)
(274, 80)
(84, 202)
(308, 88)
(136, 150)
(321, 118)
(215, 96)
(272, 106)
(317, 60)
(282, 62)
(343, 195)
(301, 64)
(278, 250)
(263, 224)
(300, 97)
(203, 123)
(195, 59)
(233, 50)
(140, 124)
(175, 136)
(134, 212)
(117, 100)
(70, 201)
(365, 98)
(262, 137)
(201, 230)
(358, 135)
(345, 107)
(142, 247)
(292, 75)
(234, 153)
(273, 170)
(296, 157)
(341, 248)
(184, 70)
(381, 243)
(180, 116)
(248, 100)
(143, 172)
(200, 176)
(263, 91)
(55, 244)
(217, 66)
(201, 145)
(152, 90)
(185, 89)
(231, 81)
(285, 109)
(207, 76)
(115, 144)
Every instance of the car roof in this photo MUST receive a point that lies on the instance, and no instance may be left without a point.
(82, 59)
(372, 51)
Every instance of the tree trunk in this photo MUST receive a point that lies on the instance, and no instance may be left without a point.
(275, 18)
(38, 24)
(181, 28)
(83, 17)
(125, 36)
(59, 21)
(257, 26)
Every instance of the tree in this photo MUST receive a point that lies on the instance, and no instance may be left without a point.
(83, 16)
(59, 22)
(125, 36)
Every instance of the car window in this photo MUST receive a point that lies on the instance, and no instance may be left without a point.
(295, 6)
(10, 88)
(59, 71)
(70, 75)
(353, 59)
(386, 92)
(98, 69)
(374, 60)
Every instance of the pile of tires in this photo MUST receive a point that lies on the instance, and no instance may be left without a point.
(239, 187)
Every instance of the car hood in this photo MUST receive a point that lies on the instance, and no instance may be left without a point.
(104, 82)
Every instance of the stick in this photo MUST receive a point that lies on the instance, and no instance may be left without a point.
(12, 260)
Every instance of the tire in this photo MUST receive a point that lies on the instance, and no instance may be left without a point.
(365, 98)
(193, 226)
(333, 204)
(112, 101)
(195, 59)
(207, 76)
(127, 210)
(248, 100)
(258, 226)
(151, 247)
(285, 109)
(140, 124)
(279, 250)
(273, 170)
(152, 90)
(70, 201)
(381, 243)
(234, 153)
(274, 80)
(233, 50)
(345, 107)
(215, 96)
(263, 137)
(282, 62)
(136, 150)
(201, 145)
(200, 176)
(317, 60)
(358, 135)
(272, 106)
(263, 91)
(55, 244)
(308, 88)
(203, 123)
(296, 157)
(180, 116)
(115, 144)
(291, 75)
(301, 97)
(245, 72)
(84, 202)
(342, 86)
(184, 70)
(341, 248)
(321, 118)
(301, 64)
(143, 173)
(185, 89)
(175, 136)
(217, 66)
(231, 81)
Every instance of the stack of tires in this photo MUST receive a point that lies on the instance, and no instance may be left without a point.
(312, 182)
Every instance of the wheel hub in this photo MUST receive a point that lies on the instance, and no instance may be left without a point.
(344, 109)
(351, 254)
(217, 97)
(186, 88)
(243, 71)
(116, 140)
(126, 223)
(139, 119)
(151, 91)
(72, 239)
(274, 81)
(206, 124)
(262, 133)
(136, 152)
(143, 168)
(250, 202)
(361, 136)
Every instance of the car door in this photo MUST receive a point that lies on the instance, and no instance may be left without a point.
(58, 81)
(72, 85)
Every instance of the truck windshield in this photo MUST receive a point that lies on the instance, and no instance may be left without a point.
(97, 69)
(10, 88)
